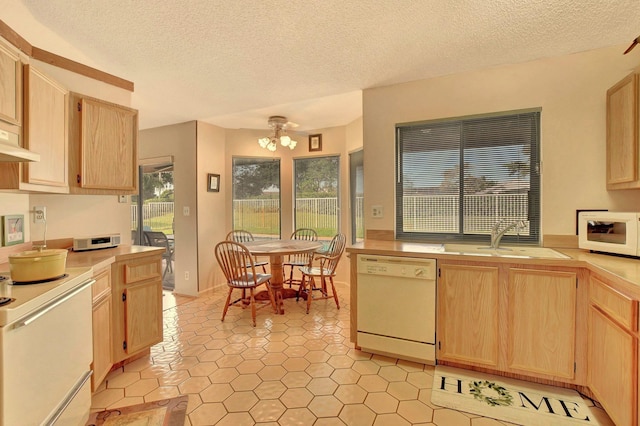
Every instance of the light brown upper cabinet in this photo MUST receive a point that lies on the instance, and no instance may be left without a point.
(622, 134)
(45, 132)
(103, 147)
(10, 85)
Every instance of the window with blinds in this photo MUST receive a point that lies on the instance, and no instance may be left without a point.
(256, 196)
(456, 178)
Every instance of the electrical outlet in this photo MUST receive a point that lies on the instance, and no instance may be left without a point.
(40, 214)
(377, 212)
(186, 275)
(185, 211)
(122, 198)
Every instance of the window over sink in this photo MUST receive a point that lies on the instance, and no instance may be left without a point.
(457, 177)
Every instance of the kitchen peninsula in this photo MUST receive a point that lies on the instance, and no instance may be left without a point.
(127, 301)
(570, 321)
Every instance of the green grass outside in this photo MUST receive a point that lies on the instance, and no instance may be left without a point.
(268, 223)
(161, 223)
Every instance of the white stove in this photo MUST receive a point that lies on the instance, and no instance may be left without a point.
(46, 350)
(28, 297)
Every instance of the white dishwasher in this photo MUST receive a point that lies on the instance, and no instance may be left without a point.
(396, 307)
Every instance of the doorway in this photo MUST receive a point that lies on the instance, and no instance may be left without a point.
(152, 212)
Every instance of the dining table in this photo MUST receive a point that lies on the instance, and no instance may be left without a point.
(276, 250)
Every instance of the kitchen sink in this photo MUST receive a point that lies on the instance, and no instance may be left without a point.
(523, 252)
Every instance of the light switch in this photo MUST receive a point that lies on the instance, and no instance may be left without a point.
(377, 212)
(185, 211)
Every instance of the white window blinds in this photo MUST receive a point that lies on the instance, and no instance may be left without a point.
(458, 177)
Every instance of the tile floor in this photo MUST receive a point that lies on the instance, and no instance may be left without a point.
(294, 369)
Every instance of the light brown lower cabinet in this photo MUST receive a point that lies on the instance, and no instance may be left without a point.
(102, 360)
(541, 335)
(137, 304)
(508, 318)
(613, 352)
(468, 298)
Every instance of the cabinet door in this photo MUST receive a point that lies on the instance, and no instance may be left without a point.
(143, 315)
(612, 373)
(10, 86)
(468, 314)
(622, 131)
(101, 341)
(541, 322)
(108, 146)
(45, 129)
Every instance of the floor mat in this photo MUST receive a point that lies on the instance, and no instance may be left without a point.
(508, 399)
(166, 412)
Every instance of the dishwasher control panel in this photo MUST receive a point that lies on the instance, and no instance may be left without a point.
(397, 266)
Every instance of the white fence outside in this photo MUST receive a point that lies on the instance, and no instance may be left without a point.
(440, 213)
(150, 214)
(426, 213)
(317, 213)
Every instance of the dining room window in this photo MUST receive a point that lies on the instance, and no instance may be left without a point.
(457, 177)
(256, 196)
(316, 195)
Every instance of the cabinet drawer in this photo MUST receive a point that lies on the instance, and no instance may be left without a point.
(102, 285)
(620, 307)
(141, 270)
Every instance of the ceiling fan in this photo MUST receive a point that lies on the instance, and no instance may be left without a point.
(280, 121)
(279, 124)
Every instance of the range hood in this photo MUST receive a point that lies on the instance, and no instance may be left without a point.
(10, 151)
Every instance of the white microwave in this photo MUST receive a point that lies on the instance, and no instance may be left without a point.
(609, 232)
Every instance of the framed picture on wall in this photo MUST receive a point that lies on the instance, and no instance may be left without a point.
(213, 182)
(12, 229)
(315, 142)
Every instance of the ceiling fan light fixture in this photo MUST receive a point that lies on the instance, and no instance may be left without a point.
(279, 125)
(264, 142)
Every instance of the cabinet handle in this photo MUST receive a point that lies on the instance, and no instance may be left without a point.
(37, 314)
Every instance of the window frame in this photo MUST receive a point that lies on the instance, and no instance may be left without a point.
(533, 198)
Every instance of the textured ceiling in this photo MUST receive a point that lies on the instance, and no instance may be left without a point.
(235, 62)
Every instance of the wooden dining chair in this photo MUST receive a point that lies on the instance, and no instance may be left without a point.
(242, 236)
(326, 270)
(233, 259)
(301, 259)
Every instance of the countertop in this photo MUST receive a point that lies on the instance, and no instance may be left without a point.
(102, 258)
(624, 271)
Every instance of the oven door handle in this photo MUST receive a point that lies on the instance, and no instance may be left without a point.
(56, 302)
(69, 399)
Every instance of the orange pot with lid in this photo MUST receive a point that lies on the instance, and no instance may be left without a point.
(37, 265)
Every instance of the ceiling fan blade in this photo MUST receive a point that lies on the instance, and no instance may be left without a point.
(633, 44)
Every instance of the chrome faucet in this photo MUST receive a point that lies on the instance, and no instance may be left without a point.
(497, 234)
